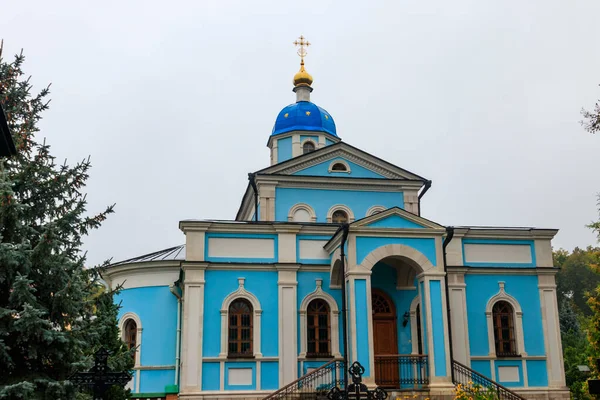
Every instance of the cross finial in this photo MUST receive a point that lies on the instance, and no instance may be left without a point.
(302, 43)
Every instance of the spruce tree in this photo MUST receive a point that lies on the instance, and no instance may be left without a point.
(53, 313)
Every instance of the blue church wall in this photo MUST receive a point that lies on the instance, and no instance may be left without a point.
(328, 142)
(321, 200)
(384, 278)
(306, 285)
(365, 245)
(394, 221)
(496, 264)
(219, 284)
(156, 307)
(356, 171)
(437, 327)
(362, 323)
(484, 367)
(284, 149)
(241, 236)
(211, 375)
(269, 375)
(153, 381)
(244, 365)
(524, 288)
(537, 373)
(300, 238)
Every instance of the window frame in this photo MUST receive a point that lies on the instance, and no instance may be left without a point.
(138, 352)
(308, 142)
(499, 327)
(239, 341)
(340, 162)
(519, 342)
(340, 207)
(312, 322)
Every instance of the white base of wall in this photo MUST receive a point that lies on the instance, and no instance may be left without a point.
(226, 395)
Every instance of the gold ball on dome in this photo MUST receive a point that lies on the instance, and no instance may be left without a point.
(302, 78)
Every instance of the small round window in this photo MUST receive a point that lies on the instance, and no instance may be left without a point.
(307, 147)
(339, 217)
(339, 167)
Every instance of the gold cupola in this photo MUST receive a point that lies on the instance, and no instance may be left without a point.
(302, 78)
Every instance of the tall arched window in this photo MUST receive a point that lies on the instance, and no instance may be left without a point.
(504, 329)
(130, 335)
(307, 147)
(318, 329)
(240, 329)
(339, 217)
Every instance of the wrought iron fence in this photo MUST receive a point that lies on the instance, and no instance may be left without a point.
(401, 371)
(471, 381)
(314, 385)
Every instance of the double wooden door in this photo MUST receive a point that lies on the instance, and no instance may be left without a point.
(385, 340)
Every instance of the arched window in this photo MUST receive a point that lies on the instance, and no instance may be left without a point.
(339, 217)
(130, 335)
(338, 167)
(318, 329)
(307, 147)
(504, 329)
(240, 329)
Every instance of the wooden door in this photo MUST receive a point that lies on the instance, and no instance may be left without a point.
(385, 340)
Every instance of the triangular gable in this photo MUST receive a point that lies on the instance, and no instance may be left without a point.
(321, 158)
(396, 218)
(353, 170)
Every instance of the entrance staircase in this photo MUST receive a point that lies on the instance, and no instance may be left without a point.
(317, 384)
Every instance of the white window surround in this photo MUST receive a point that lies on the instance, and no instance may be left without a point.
(241, 293)
(138, 341)
(344, 163)
(517, 317)
(334, 312)
(374, 210)
(302, 206)
(305, 141)
(342, 208)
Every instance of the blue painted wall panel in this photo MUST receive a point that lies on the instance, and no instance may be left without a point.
(537, 373)
(395, 221)
(321, 200)
(356, 171)
(306, 285)
(510, 363)
(273, 238)
(365, 245)
(362, 323)
(157, 308)
(524, 288)
(156, 380)
(484, 367)
(328, 142)
(384, 278)
(269, 375)
(219, 284)
(284, 149)
(300, 238)
(211, 376)
(244, 365)
(439, 333)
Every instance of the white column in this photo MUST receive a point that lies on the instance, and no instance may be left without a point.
(266, 200)
(458, 316)
(193, 318)
(552, 342)
(288, 317)
(296, 146)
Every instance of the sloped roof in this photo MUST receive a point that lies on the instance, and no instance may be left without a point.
(170, 254)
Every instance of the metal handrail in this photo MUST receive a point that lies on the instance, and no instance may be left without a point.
(475, 378)
(306, 383)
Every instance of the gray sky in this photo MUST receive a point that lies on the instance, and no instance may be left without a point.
(175, 102)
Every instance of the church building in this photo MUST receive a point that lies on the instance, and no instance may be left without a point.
(247, 306)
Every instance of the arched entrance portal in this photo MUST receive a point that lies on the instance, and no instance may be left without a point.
(385, 338)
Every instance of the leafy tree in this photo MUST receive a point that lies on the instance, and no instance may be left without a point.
(591, 119)
(52, 314)
(575, 278)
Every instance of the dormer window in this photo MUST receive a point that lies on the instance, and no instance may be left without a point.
(338, 167)
(307, 147)
(339, 217)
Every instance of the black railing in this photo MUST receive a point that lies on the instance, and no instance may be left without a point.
(471, 382)
(401, 371)
(314, 385)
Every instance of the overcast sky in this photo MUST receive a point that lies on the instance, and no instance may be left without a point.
(175, 102)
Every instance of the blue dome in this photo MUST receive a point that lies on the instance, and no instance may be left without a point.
(303, 116)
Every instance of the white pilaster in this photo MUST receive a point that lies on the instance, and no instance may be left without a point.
(288, 333)
(296, 146)
(193, 318)
(458, 315)
(266, 201)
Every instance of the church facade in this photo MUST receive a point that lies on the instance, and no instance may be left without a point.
(247, 306)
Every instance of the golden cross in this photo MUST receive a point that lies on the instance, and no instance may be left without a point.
(303, 44)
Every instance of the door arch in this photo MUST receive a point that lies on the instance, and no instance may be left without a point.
(385, 338)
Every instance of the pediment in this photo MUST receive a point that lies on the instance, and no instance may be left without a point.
(396, 218)
(361, 164)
